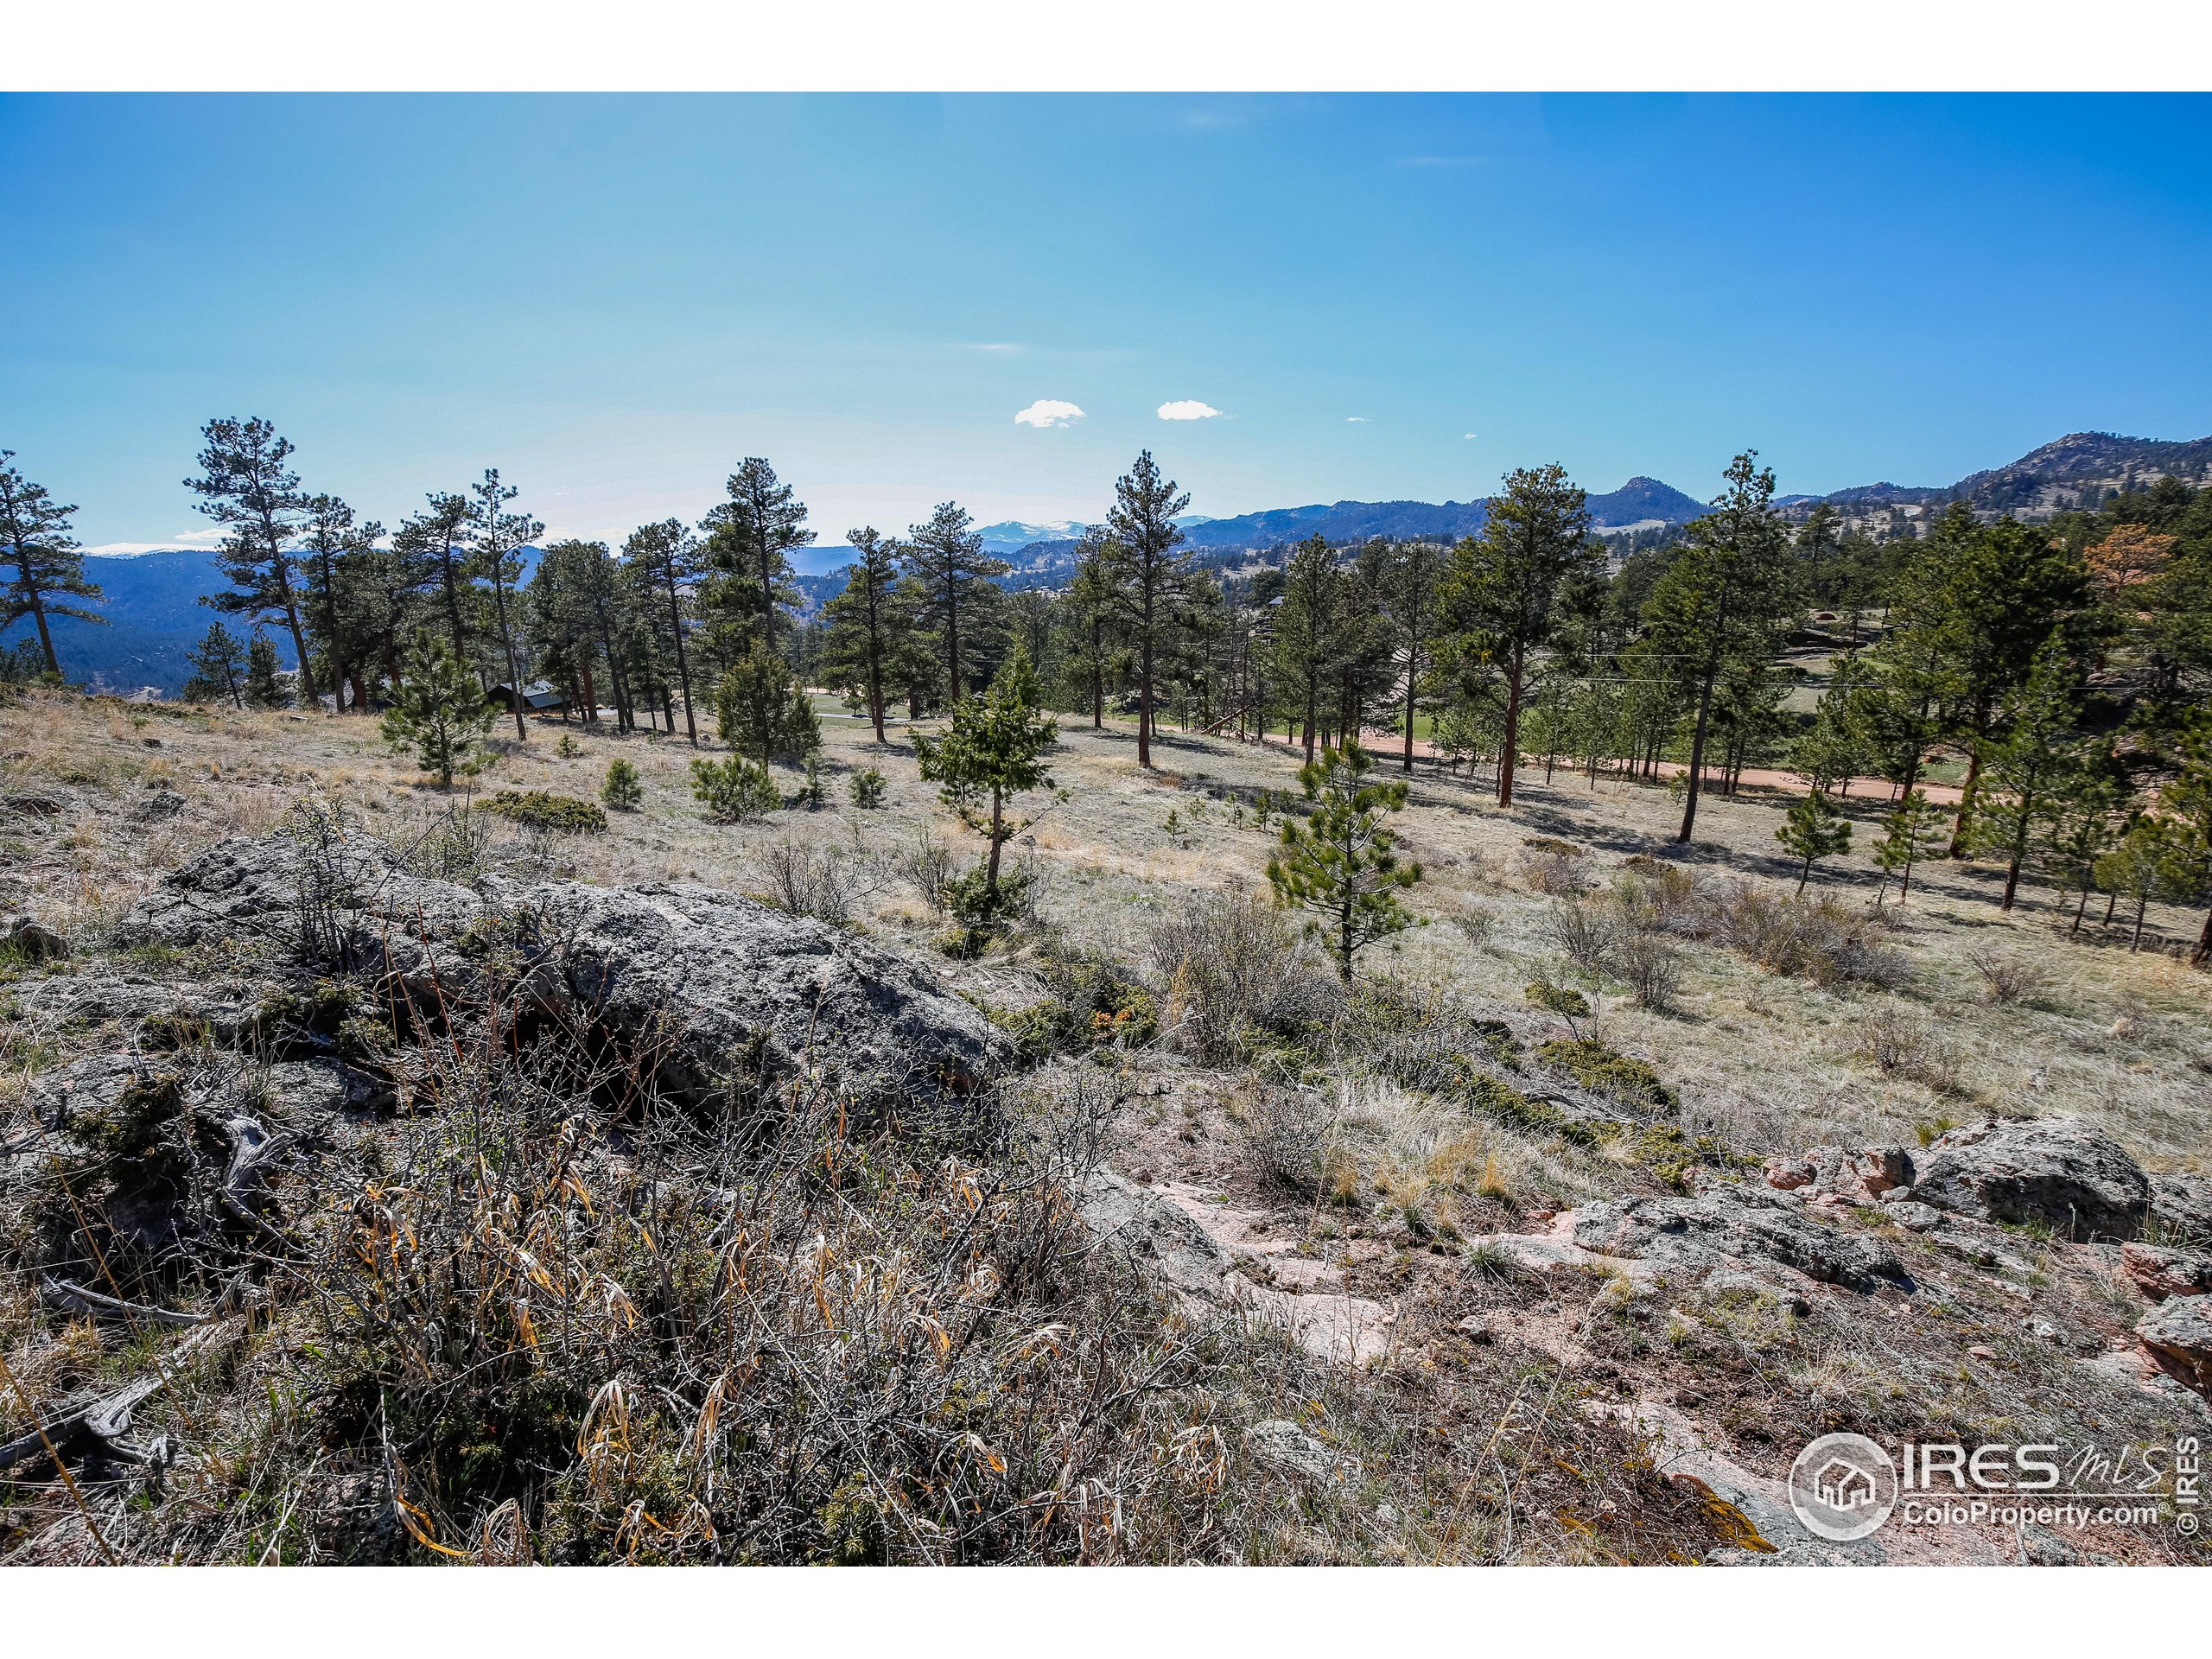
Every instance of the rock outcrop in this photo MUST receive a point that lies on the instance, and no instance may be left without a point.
(2058, 1172)
(2179, 1333)
(2159, 1271)
(1732, 1221)
(702, 990)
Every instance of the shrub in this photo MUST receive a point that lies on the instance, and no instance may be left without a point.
(1234, 970)
(568, 748)
(1562, 1000)
(1552, 867)
(927, 861)
(1650, 966)
(2007, 979)
(823, 882)
(623, 791)
(1604, 1070)
(736, 789)
(1584, 935)
(867, 788)
(1287, 1132)
(537, 809)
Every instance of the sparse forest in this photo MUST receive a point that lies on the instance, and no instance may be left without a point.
(563, 1052)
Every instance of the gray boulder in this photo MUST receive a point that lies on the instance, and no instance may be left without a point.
(709, 985)
(1736, 1223)
(1162, 1240)
(2183, 1204)
(2075, 1178)
(704, 991)
(2179, 1333)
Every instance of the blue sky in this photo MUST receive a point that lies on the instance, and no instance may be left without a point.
(614, 299)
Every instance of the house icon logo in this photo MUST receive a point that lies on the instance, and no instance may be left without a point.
(1842, 1487)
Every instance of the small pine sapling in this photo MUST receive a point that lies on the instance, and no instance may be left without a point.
(867, 788)
(1341, 865)
(623, 791)
(1811, 830)
(1913, 831)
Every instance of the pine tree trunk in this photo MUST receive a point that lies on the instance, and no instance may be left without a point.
(1697, 760)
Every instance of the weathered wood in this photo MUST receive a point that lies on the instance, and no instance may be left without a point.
(107, 1420)
(83, 1300)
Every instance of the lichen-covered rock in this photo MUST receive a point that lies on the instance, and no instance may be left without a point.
(709, 985)
(2183, 1204)
(1160, 1239)
(2160, 1271)
(1739, 1223)
(2059, 1172)
(2179, 1333)
(704, 991)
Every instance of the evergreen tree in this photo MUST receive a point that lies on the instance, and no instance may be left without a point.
(2151, 861)
(50, 568)
(761, 708)
(1341, 865)
(1503, 585)
(1412, 590)
(332, 550)
(1720, 601)
(245, 486)
(2187, 797)
(2083, 822)
(1149, 577)
(219, 665)
(2025, 775)
(1835, 749)
(993, 750)
(435, 541)
(264, 687)
(665, 560)
(1911, 832)
(440, 711)
(750, 538)
(1090, 609)
(1305, 647)
(1811, 830)
(500, 536)
(863, 622)
(954, 593)
(2005, 586)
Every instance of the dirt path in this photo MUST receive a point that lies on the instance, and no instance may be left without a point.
(1392, 745)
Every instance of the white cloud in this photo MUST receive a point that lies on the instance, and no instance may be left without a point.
(1356, 420)
(994, 345)
(1187, 409)
(1471, 434)
(1048, 412)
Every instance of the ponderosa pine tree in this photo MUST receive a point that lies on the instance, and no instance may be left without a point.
(440, 712)
(245, 486)
(1413, 580)
(1911, 831)
(2188, 798)
(1503, 588)
(2026, 773)
(500, 536)
(48, 565)
(436, 541)
(1090, 601)
(993, 751)
(664, 559)
(954, 594)
(1811, 830)
(762, 709)
(1722, 600)
(1341, 865)
(1305, 647)
(863, 621)
(749, 540)
(1147, 575)
(329, 553)
(219, 665)
(264, 686)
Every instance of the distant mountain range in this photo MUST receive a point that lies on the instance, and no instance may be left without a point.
(155, 619)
